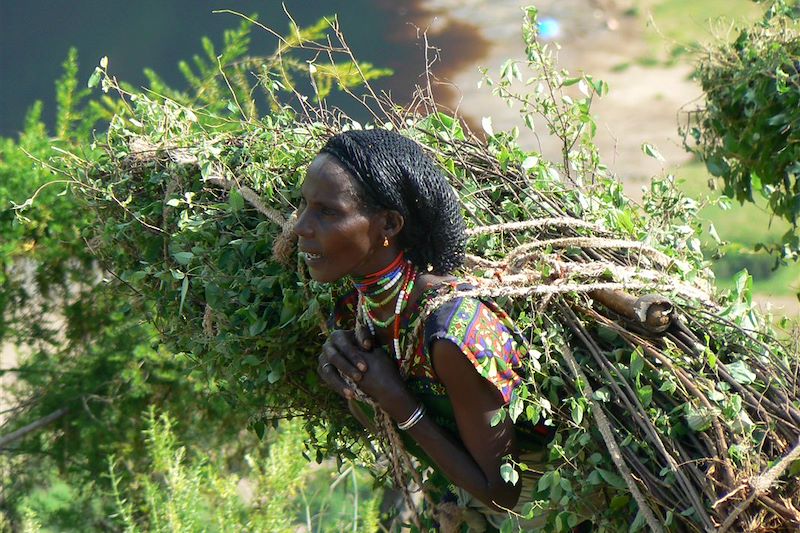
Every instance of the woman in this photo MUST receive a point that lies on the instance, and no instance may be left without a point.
(377, 209)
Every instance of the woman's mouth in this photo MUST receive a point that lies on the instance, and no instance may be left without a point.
(308, 256)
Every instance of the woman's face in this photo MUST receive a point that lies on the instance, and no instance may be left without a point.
(336, 235)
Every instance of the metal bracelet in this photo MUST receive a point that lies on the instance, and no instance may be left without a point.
(415, 417)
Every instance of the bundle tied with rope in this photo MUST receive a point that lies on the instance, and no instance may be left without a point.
(674, 406)
(662, 400)
(652, 325)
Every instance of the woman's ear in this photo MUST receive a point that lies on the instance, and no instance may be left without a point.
(393, 223)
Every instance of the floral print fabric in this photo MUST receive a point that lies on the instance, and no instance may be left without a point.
(482, 337)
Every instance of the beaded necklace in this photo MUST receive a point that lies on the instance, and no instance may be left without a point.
(396, 281)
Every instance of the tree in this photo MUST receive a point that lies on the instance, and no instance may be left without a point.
(747, 131)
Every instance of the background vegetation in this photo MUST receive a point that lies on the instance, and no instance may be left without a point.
(96, 365)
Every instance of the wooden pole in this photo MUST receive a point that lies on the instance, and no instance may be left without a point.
(33, 426)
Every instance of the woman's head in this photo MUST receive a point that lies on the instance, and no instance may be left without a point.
(387, 190)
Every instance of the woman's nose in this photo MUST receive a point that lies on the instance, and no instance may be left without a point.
(301, 226)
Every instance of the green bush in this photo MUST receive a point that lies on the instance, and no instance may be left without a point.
(747, 132)
(87, 349)
(185, 489)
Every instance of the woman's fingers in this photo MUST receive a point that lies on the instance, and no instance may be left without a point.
(348, 347)
(344, 356)
(363, 338)
(331, 376)
(341, 361)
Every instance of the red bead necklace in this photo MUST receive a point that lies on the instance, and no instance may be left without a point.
(399, 276)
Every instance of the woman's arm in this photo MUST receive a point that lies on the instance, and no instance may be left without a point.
(475, 401)
(473, 462)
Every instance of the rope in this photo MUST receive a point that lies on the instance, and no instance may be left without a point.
(522, 252)
(534, 224)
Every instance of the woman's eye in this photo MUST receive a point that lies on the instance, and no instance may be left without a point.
(327, 211)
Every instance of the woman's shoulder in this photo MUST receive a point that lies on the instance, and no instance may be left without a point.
(449, 306)
(433, 290)
(481, 331)
(465, 318)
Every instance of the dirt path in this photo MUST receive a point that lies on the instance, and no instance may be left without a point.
(643, 103)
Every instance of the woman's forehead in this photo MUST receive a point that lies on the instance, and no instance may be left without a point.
(326, 178)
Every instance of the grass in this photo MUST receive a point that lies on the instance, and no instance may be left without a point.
(741, 227)
(678, 25)
(746, 224)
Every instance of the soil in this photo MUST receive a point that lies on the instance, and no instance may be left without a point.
(644, 102)
(8, 359)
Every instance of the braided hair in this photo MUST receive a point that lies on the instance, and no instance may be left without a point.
(394, 173)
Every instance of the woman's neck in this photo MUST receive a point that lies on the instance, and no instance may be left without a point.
(379, 282)
(383, 297)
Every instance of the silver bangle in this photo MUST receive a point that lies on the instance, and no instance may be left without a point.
(415, 417)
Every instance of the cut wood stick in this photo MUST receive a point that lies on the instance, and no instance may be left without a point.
(250, 196)
(33, 426)
(613, 449)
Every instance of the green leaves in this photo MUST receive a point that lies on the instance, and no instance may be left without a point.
(611, 478)
(94, 79)
(183, 258)
(577, 411)
(637, 363)
(699, 418)
(650, 151)
(184, 291)
(645, 394)
(741, 373)
(509, 473)
(235, 201)
(747, 133)
(486, 123)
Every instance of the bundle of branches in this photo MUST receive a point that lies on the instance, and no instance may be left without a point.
(673, 406)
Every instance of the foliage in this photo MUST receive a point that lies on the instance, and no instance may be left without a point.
(216, 262)
(180, 493)
(183, 489)
(48, 240)
(731, 233)
(82, 347)
(193, 208)
(222, 80)
(747, 131)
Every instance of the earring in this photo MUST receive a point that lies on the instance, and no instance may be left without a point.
(386, 242)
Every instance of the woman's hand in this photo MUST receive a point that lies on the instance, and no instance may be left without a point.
(342, 356)
(371, 369)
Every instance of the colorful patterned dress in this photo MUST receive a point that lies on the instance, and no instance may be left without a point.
(489, 340)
